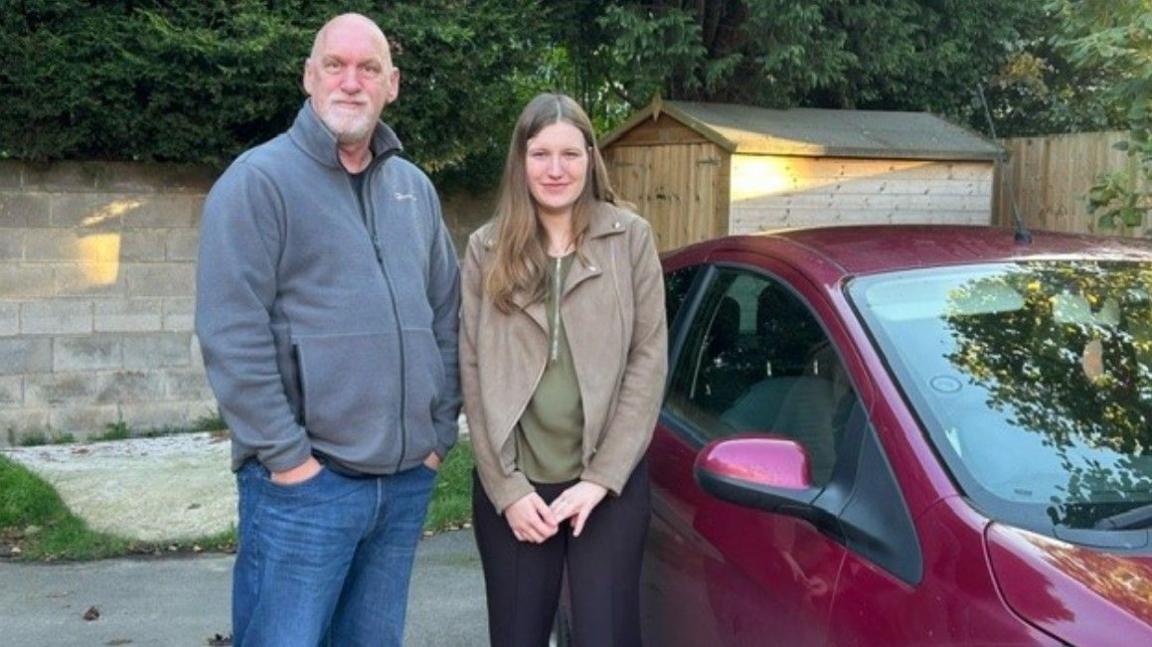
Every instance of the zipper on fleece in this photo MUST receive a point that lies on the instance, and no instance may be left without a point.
(367, 215)
(298, 356)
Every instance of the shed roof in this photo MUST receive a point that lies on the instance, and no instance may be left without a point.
(821, 132)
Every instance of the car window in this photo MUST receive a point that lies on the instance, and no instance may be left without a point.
(756, 360)
(1033, 379)
(676, 286)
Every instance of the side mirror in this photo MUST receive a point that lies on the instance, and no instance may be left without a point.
(758, 471)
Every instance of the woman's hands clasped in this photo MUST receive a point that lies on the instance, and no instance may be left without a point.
(535, 521)
(530, 519)
(578, 501)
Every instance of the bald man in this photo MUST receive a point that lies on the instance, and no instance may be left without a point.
(327, 296)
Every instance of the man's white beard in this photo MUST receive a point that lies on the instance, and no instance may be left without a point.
(349, 127)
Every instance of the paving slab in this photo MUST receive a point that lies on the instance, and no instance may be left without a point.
(152, 489)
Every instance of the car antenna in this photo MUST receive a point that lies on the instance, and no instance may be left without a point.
(1022, 236)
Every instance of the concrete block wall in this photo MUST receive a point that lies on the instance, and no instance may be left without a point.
(97, 284)
(465, 212)
(97, 290)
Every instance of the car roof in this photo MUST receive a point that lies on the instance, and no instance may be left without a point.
(867, 249)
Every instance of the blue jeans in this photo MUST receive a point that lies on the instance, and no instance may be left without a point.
(326, 561)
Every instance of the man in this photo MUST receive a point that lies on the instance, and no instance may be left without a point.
(327, 305)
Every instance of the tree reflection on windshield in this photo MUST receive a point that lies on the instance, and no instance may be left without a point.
(1068, 358)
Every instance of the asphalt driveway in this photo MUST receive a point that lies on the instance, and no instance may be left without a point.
(185, 601)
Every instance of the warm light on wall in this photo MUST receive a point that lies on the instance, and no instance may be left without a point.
(98, 254)
(755, 176)
(99, 258)
(112, 210)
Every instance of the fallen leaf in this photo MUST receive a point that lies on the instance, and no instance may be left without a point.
(217, 640)
(91, 614)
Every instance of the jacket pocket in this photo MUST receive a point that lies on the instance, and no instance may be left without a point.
(351, 393)
(288, 363)
(424, 383)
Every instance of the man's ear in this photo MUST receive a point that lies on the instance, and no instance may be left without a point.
(308, 76)
(394, 85)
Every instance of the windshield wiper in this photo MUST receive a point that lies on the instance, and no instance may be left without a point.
(1133, 519)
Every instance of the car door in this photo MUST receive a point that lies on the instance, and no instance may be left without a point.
(749, 356)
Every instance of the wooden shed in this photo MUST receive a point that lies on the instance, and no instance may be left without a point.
(701, 170)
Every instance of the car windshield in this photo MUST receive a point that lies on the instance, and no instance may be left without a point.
(1033, 379)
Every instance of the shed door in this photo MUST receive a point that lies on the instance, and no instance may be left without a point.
(677, 188)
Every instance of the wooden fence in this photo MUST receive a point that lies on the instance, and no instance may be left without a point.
(1050, 177)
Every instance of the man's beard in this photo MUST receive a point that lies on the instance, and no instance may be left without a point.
(348, 128)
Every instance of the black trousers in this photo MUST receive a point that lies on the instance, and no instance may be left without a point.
(523, 579)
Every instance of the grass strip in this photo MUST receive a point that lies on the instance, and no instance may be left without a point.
(451, 506)
(36, 525)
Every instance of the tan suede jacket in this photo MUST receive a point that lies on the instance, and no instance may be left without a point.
(613, 312)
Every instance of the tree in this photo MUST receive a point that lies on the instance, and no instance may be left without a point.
(199, 82)
(1037, 90)
(879, 54)
(1113, 38)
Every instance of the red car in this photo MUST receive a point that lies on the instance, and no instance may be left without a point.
(904, 435)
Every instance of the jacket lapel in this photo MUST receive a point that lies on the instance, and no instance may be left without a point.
(601, 224)
(582, 270)
(535, 311)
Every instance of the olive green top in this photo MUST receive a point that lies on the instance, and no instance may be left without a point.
(549, 435)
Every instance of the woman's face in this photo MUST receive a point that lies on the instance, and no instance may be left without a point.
(557, 167)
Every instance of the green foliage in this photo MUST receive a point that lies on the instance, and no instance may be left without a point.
(882, 54)
(35, 524)
(1117, 203)
(25, 498)
(35, 520)
(119, 430)
(213, 422)
(1038, 91)
(451, 505)
(145, 80)
(200, 82)
(33, 438)
(1113, 38)
(114, 431)
(467, 70)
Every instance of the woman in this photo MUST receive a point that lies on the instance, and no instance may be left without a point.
(563, 358)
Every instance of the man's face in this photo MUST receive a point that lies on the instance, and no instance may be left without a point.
(350, 79)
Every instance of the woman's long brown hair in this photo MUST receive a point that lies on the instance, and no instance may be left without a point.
(520, 255)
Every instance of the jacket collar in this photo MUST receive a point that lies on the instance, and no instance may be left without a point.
(314, 138)
(604, 220)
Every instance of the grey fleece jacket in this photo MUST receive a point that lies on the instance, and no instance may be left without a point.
(328, 323)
